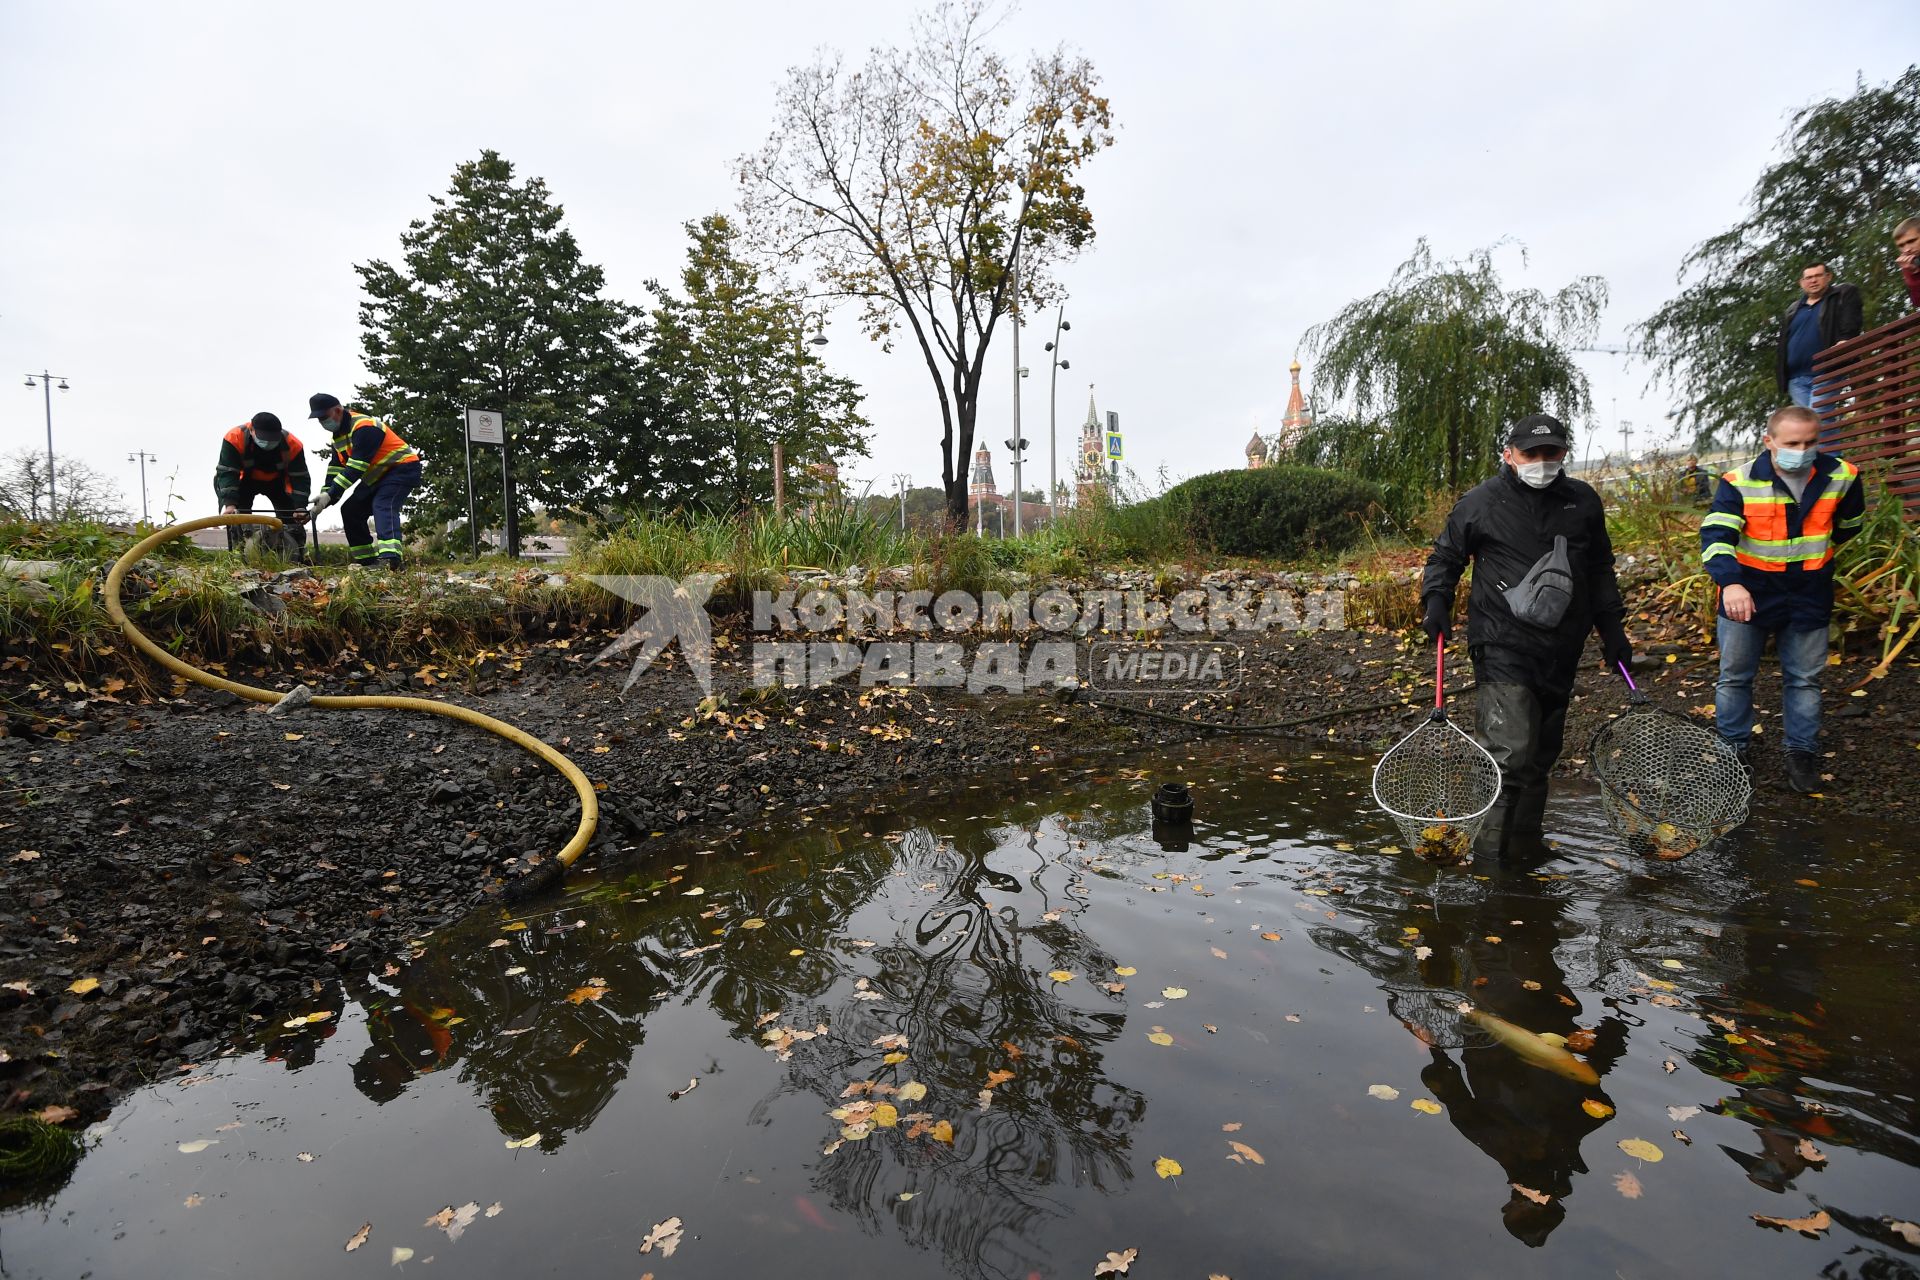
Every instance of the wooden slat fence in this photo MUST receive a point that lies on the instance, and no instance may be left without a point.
(1867, 393)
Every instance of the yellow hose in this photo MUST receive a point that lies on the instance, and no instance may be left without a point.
(589, 803)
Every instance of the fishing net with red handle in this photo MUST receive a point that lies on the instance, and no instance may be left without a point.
(1437, 784)
(1670, 784)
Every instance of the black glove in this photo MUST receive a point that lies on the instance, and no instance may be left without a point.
(1438, 623)
(1614, 645)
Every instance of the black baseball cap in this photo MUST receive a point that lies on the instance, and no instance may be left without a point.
(321, 405)
(1537, 429)
(267, 429)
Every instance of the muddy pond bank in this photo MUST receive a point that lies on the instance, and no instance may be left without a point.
(213, 869)
(1011, 1033)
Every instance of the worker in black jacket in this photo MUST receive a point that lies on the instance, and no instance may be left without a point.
(1826, 315)
(1542, 579)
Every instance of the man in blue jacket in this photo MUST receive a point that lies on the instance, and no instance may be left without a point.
(1769, 542)
(1528, 526)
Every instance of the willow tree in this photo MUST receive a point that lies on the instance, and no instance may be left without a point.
(915, 185)
(1428, 371)
(1850, 171)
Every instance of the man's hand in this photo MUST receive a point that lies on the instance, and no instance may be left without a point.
(1738, 603)
(320, 504)
(1614, 645)
(229, 510)
(1438, 622)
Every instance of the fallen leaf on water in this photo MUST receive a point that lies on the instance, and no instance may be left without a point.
(943, 1132)
(1671, 964)
(754, 922)
(1810, 1227)
(193, 1201)
(1681, 1134)
(1293, 1017)
(1174, 993)
(1159, 1037)
(1232, 1126)
(1811, 884)
(1423, 953)
(1116, 1264)
(60, 1115)
(531, 1140)
(1641, 1149)
(1218, 952)
(1905, 1230)
(1538, 1197)
(1669, 1066)
(885, 1116)
(197, 1146)
(306, 1157)
(1427, 1106)
(1595, 1108)
(1271, 937)
(678, 1094)
(894, 1058)
(694, 892)
(1244, 1154)
(1167, 1168)
(1680, 1115)
(1810, 1153)
(913, 1090)
(894, 1041)
(1125, 970)
(494, 1210)
(1384, 1092)
(665, 1236)
(1060, 975)
(1627, 1185)
(995, 1079)
(400, 1254)
(454, 1221)
(359, 1237)
(580, 995)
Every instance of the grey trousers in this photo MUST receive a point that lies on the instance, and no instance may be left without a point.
(1521, 710)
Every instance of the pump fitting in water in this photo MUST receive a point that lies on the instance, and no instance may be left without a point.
(1173, 804)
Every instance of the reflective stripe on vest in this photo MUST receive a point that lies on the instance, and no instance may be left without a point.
(1764, 543)
(393, 451)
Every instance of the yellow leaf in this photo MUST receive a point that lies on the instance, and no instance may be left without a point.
(895, 1056)
(755, 923)
(196, 1146)
(580, 995)
(1159, 1037)
(531, 1140)
(1271, 937)
(943, 1132)
(1426, 1106)
(1166, 1168)
(293, 737)
(515, 927)
(1641, 1149)
(1595, 1108)
(80, 986)
(1671, 964)
(885, 1116)
(798, 951)
(1384, 1092)
(912, 1091)
(1060, 975)
(1174, 993)
(1125, 970)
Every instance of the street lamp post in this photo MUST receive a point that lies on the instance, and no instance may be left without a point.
(1060, 325)
(1016, 444)
(144, 458)
(46, 384)
(901, 479)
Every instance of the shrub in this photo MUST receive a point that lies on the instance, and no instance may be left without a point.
(1283, 511)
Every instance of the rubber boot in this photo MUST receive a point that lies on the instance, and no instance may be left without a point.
(1508, 723)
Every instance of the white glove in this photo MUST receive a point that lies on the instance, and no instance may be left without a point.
(320, 504)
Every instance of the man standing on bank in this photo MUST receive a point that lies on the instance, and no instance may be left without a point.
(1826, 315)
(1769, 543)
(1542, 579)
(368, 452)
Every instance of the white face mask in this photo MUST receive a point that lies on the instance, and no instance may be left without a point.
(1538, 474)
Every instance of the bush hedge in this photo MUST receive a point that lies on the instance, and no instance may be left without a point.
(1280, 511)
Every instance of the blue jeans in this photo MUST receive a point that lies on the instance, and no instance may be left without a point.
(1800, 389)
(1803, 657)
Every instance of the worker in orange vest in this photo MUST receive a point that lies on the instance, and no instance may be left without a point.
(258, 459)
(368, 453)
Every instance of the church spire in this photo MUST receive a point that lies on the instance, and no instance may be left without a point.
(1297, 420)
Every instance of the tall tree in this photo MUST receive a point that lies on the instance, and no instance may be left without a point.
(1850, 171)
(915, 184)
(737, 373)
(492, 306)
(1431, 368)
(81, 493)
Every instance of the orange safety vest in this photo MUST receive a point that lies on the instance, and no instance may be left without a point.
(258, 465)
(393, 452)
(1766, 543)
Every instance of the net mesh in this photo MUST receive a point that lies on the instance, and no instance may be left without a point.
(1670, 785)
(1437, 785)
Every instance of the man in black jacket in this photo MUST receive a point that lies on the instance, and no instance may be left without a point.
(1827, 315)
(1542, 579)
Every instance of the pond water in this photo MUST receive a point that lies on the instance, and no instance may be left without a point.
(1272, 1007)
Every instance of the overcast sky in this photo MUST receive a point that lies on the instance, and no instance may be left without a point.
(187, 186)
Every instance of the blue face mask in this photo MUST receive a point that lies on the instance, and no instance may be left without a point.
(1793, 459)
